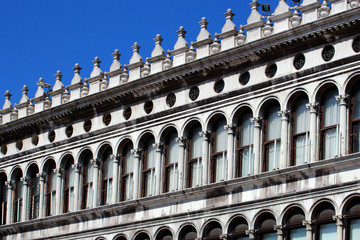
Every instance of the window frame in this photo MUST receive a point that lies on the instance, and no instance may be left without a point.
(49, 193)
(125, 175)
(167, 165)
(18, 199)
(215, 154)
(146, 170)
(267, 143)
(191, 161)
(105, 181)
(85, 185)
(67, 190)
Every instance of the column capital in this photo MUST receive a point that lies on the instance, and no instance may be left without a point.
(338, 219)
(205, 135)
(308, 224)
(181, 141)
(256, 121)
(230, 128)
(58, 172)
(278, 229)
(313, 107)
(284, 114)
(41, 176)
(342, 98)
(10, 185)
(158, 147)
(95, 162)
(115, 157)
(76, 167)
(136, 152)
(224, 236)
(25, 180)
(251, 233)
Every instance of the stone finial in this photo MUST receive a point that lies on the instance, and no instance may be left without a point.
(146, 69)
(295, 19)
(255, 16)
(158, 50)
(191, 54)
(58, 82)
(268, 28)
(204, 34)
(215, 46)
(240, 37)
(40, 91)
(229, 25)
(96, 71)
(167, 62)
(7, 104)
(324, 9)
(24, 98)
(115, 64)
(181, 42)
(76, 79)
(65, 96)
(136, 56)
(282, 8)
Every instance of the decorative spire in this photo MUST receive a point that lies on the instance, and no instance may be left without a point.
(96, 71)
(7, 104)
(255, 16)
(158, 50)
(41, 85)
(58, 83)
(204, 34)
(282, 8)
(229, 25)
(181, 42)
(136, 56)
(115, 64)
(24, 98)
(76, 79)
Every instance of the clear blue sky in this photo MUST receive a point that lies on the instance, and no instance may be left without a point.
(39, 37)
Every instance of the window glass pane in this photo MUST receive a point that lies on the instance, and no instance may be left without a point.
(331, 108)
(196, 173)
(247, 163)
(298, 234)
(129, 183)
(70, 183)
(129, 163)
(196, 143)
(273, 124)
(330, 143)
(109, 191)
(270, 236)
(52, 181)
(150, 183)
(150, 154)
(220, 136)
(302, 149)
(71, 200)
(354, 229)
(356, 105)
(302, 117)
(53, 204)
(89, 198)
(108, 171)
(247, 130)
(89, 172)
(19, 189)
(327, 231)
(274, 155)
(173, 177)
(173, 149)
(220, 166)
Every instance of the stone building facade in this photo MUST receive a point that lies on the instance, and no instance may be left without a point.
(252, 134)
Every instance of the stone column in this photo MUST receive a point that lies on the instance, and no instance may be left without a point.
(9, 206)
(308, 226)
(205, 159)
(158, 149)
(279, 232)
(41, 177)
(25, 197)
(181, 161)
(230, 151)
(136, 153)
(96, 168)
(58, 190)
(115, 191)
(251, 234)
(284, 160)
(339, 227)
(257, 132)
(76, 186)
(313, 114)
(343, 117)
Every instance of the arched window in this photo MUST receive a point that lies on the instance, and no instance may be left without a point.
(325, 225)
(272, 138)
(212, 231)
(330, 119)
(355, 119)
(18, 196)
(34, 193)
(245, 147)
(171, 162)
(219, 151)
(50, 189)
(194, 157)
(237, 229)
(87, 172)
(69, 194)
(148, 168)
(353, 219)
(3, 199)
(107, 177)
(293, 220)
(142, 236)
(164, 234)
(300, 132)
(264, 227)
(127, 174)
(188, 233)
